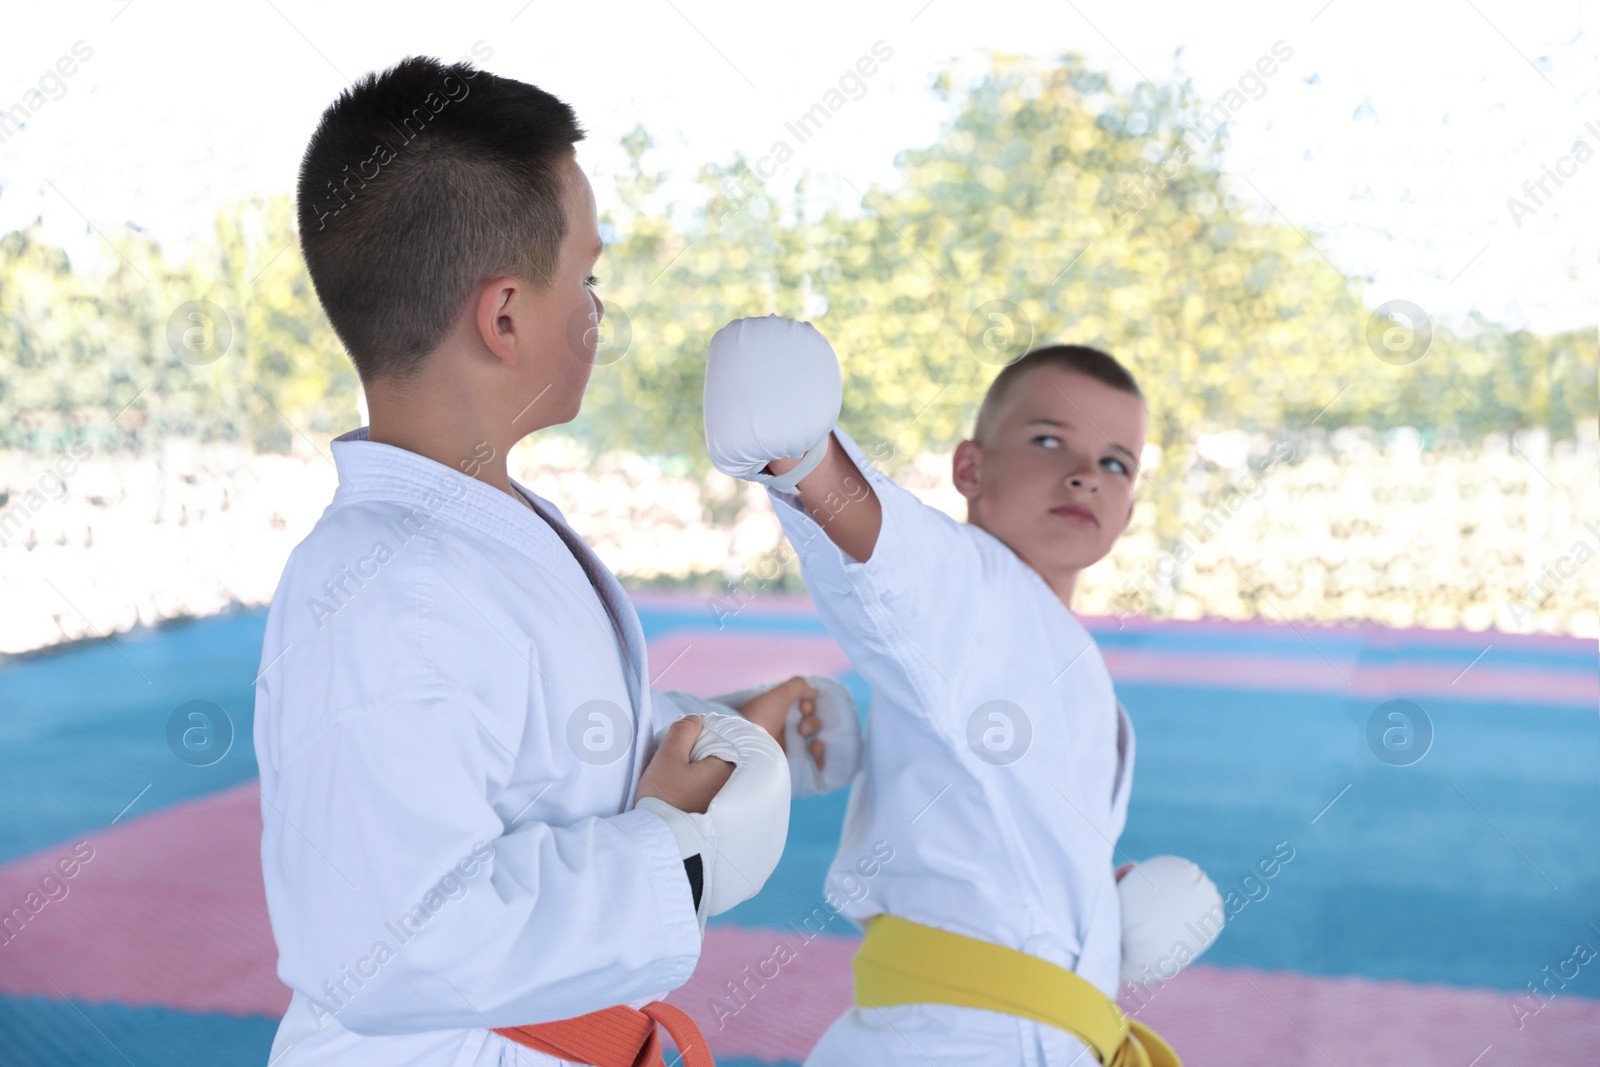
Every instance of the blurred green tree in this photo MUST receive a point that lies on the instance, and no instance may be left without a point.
(1052, 206)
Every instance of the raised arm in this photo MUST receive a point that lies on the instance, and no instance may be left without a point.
(889, 573)
(773, 392)
(841, 499)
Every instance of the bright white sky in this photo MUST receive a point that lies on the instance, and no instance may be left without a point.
(1393, 136)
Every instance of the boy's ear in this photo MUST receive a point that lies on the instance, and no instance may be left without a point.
(492, 316)
(966, 468)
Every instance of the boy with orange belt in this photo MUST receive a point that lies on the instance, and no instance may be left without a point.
(484, 837)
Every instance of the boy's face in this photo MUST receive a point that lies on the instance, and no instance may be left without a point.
(1055, 483)
(567, 312)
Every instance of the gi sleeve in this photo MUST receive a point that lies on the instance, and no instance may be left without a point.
(913, 600)
(400, 904)
(669, 706)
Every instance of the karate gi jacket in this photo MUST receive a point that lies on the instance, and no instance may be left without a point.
(996, 772)
(452, 715)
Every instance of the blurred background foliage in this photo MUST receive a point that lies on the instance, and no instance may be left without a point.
(1051, 207)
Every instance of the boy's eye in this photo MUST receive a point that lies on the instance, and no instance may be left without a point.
(1113, 459)
(1055, 442)
(591, 281)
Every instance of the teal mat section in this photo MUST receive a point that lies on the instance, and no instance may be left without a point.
(51, 1033)
(83, 731)
(1475, 866)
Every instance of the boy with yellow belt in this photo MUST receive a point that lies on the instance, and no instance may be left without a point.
(998, 759)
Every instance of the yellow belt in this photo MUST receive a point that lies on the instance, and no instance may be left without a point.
(902, 962)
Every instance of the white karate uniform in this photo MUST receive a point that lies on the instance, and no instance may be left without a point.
(942, 620)
(432, 698)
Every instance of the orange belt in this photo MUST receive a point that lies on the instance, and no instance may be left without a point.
(617, 1037)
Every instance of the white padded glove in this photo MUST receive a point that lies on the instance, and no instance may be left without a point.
(840, 736)
(1167, 902)
(742, 834)
(773, 391)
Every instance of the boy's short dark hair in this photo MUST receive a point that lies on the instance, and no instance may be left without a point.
(419, 184)
(1080, 359)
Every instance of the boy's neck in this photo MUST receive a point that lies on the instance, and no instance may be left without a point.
(1062, 585)
(437, 431)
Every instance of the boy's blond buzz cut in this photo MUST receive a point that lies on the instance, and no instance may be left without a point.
(1080, 359)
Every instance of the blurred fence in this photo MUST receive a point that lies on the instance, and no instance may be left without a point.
(1339, 527)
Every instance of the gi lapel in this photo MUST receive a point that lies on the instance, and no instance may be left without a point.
(624, 618)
